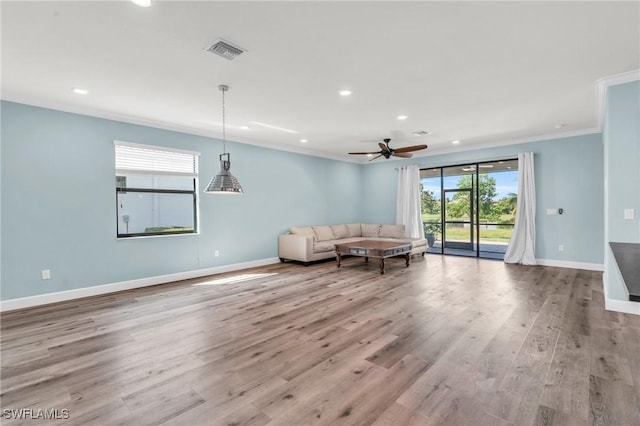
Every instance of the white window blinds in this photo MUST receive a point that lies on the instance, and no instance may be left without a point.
(136, 159)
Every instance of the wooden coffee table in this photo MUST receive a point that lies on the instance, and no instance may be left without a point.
(374, 248)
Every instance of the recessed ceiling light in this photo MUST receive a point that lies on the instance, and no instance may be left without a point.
(402, 117)
(369, 155)
(455, 142)
(269, 126)
(80, 91)
(560, 126)
(142, 3)
(303, 140)
(345, 92)
(245, 127)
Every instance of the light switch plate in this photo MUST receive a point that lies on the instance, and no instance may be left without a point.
(628, 214)
(552, 211)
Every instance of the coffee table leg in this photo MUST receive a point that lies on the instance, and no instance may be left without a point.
(338, 259)
(382, 266)
(408, 256)
(366, 259)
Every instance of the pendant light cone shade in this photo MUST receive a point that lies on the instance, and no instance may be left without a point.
(224, 182)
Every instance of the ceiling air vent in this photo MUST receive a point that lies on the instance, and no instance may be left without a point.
(225, 49)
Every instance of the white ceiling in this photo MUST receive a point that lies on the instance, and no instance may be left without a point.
(478, 72)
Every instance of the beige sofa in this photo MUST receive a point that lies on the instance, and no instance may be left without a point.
(311, 243)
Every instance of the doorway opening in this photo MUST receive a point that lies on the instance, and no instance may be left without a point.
(469, 209)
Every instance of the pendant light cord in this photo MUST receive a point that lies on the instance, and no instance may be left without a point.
(224, 133)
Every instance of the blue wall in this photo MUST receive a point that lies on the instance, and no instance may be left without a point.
(621, 138)
(58, 203)
(58, 208)
(569, 175)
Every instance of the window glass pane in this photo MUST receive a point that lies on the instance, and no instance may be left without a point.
(152, 213)
(158, 182)
(458, 206)
(431, 205)
(497, 204)
(458, 233)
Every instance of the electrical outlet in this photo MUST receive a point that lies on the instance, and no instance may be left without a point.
(552, 211)
(561, 247)
(216, 253)
(628, 214)
(46, 274)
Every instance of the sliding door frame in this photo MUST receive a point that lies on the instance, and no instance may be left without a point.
(475, 203)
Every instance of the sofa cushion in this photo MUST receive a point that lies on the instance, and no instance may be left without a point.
(369, 230)
(323, 233)
(302, 230)
(340, 231)
(323, 246)
(392, 231)
(354, 229)
(415, 242)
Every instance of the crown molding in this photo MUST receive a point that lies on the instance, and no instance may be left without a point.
(602, 84)
(123, 118)
(507, 142)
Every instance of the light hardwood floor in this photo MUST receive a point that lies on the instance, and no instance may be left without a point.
(449, 340)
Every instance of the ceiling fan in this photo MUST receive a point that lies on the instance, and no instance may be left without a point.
(386, 151)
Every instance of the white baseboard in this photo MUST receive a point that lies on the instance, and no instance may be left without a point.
(624, 306)
(45, 299)
(572, 265)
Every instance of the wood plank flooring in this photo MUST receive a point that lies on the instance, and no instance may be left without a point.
(447, 341)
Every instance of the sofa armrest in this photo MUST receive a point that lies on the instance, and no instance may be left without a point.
(295, 247)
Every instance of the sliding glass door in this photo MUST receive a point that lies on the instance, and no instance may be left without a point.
(458, 219)
(469, 209)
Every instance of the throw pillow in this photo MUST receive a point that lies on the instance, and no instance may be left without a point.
(369, 230)
(354, 229)
(340, 231)
(392, 231)
(323, 233)
(302, 230)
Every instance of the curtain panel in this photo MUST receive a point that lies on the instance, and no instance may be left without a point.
(522, 246)
(408, 209)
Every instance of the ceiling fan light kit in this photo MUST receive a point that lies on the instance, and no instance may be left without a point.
(386, 151)
(224, 182)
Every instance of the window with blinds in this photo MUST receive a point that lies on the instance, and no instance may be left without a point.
(156, 190)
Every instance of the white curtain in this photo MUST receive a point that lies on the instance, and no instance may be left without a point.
(408, 211)
(522, 246)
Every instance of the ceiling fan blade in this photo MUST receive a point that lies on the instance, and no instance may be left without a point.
(378, 156)
(410, 148)
(383, 147)
(363, 153)
(402, 154)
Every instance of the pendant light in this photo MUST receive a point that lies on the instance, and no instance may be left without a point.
(224, 182)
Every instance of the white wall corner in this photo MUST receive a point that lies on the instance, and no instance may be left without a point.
(615, 305)
(46, 299)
